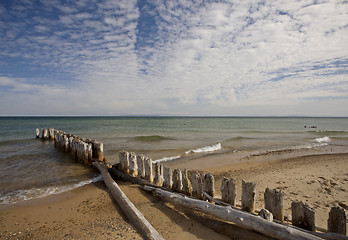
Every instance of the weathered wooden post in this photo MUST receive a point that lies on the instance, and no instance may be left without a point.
(37, 133)
(124, 161)
(248, 196)
(98, 150)
(148, 170)
(208, 184)
(158, 179)
(44, 133)
(228, 190)
(337, 221)
(274, 203)
(90, 153)
(133, 165)
(168, 178)
(65, 143)
(177, 180)
(186, 184)
(265, 214)
(302, 215)
(141, 167)
(51, 133)
(196, 185)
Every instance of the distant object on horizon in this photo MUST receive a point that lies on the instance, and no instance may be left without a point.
(310, 126)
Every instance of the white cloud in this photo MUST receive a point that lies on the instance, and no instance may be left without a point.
(204, 57)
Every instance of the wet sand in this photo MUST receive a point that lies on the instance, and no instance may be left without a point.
(90, 213)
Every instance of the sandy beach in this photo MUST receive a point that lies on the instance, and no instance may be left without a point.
(90, 213)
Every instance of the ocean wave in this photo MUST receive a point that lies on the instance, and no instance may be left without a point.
(165, 159)
(210, 148)
(322, 140)
(152, 138)
(27, 194)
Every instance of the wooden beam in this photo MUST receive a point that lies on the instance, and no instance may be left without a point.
(132, 213)
(242, 219)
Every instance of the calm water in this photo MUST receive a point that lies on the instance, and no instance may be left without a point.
(31, 168)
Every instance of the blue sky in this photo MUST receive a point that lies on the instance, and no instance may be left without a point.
(153, 57)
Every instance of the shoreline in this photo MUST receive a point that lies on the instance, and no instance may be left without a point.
(88, 212)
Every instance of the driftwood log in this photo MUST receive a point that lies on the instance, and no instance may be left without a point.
(133, 214)
(242, 219)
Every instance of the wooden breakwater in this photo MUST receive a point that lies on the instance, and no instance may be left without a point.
(196, 185)
(82, 150)
(202, 186)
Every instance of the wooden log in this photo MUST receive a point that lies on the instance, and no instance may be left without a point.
(274, 203)
(197, 186)
(248, 196)
(186, 184)
(133, 165)
(37, 133)
(132, 213)
(265, 214)
(158, 179)
(141, 167)
(168, 178)
(337, 221)
(242, 219)
(124, 161)
(177, 181)
(209, 184)
(302, 215)
(148, 170)
(229, 190)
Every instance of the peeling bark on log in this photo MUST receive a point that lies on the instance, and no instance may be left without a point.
(132, 213)
(242, 219)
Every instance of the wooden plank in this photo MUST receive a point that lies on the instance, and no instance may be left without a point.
(132, 213)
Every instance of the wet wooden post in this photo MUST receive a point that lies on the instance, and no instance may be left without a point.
(274, 203)
(148, 170)
(229, 191)
(158, 179)
(37, 133)
(51, 133)
(208, 184)
(90, 153)
(65, 143)
(303, 216)
(197, 185)
(177, 180)
(133, 165)
(98, 150)
(124, 161)
(186, 184)
(337, 221)
(248, 196)
(141, 167)
(44, 133)
(168, 178)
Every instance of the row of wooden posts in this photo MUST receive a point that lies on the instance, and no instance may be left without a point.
(194, 184)
(83, 150)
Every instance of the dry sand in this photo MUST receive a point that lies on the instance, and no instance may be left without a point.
(90, 213)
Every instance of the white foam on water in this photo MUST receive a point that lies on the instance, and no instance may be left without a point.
(165, 159)
(323, 140)
(27, 194)
(210, 148)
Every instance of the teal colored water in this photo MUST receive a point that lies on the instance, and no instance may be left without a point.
(30, 167)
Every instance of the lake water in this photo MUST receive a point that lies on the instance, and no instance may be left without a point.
(32, 168)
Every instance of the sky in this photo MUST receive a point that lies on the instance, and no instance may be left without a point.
(174, 57)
